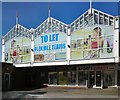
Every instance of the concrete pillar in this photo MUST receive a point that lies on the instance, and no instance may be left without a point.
(68, 47)
(102, 80)
(116, 45)
(77, 76)
(86, 83)
(57, 78)
(3, 50)
(32, 48)
(101, 83)
(94, 80)
(116, 39)
(116, 75)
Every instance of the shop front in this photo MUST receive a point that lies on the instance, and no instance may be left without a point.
(62, 76)
(90, 76)
(96, 76)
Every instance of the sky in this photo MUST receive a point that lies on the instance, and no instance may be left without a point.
(32, 14)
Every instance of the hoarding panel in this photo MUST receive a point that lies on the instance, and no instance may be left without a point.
(92, 42)
(18, 50)
(51, 45)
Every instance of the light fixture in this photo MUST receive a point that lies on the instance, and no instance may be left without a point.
(68, 46)
(32, 50)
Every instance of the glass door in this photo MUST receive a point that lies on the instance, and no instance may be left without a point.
(53, 78)
(98, 78)
(109, 78)
(82, 77)
(71, 78)
(91, 79)
(7, 81)
(62, 78)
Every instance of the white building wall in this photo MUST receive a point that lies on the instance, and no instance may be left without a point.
(68, 44)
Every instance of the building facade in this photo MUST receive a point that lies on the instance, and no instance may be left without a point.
(84, 53)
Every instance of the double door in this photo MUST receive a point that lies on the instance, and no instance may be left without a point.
(95, 78)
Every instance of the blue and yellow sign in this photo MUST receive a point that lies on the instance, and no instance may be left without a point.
(50, 45)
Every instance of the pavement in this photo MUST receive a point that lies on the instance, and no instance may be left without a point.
(55, 92)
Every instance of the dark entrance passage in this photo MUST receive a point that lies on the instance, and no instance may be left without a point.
(92, 79)
(7, 81)
(98, 78)
(95, 78)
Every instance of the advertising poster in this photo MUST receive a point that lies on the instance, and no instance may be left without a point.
(18, 50)
(92, 42)
(53, 78)
(39, 57)
(62, 78)
(52, 46)
(60, 56)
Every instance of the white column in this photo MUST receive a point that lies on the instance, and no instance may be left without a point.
(3, 50)
(32, 48)
(86, 83)
(116, 75)
(68, 47)
(116, 39)
(102, 83)
(77, 76)
(116, 46)
(94, 86)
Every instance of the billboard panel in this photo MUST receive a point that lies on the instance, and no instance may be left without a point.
(17, 50)
(92, 42)
(50, 45)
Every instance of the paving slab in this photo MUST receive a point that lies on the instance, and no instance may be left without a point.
(64, 92)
